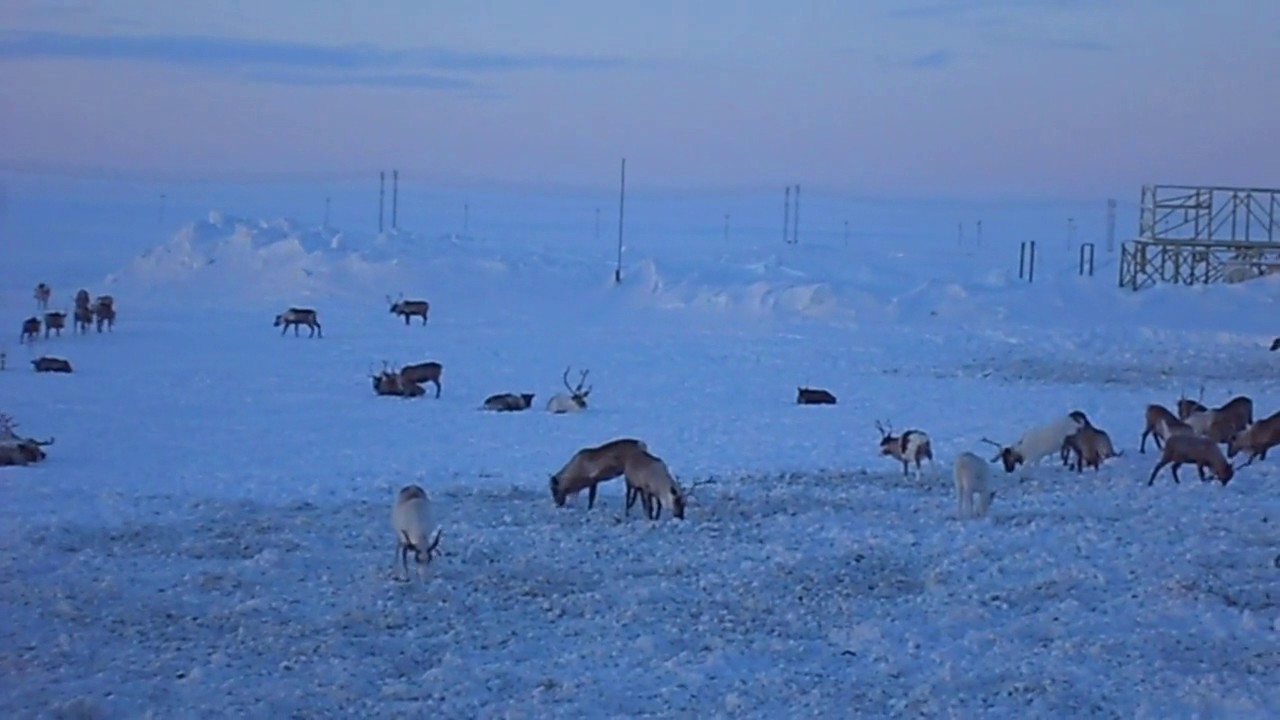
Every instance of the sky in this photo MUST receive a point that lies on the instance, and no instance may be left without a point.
(1050, 98)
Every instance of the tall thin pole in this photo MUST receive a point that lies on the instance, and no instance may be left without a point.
(395, 196)
(786, 215)
(846, 233)
(326, 212)
(979, 240)
(795, 222)
(1111, 225)
(622, 196)
(382, 185)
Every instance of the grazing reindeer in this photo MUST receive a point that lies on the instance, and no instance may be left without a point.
(1189, 448)
(1256, 439)
(649, 479)
(508, 402)
(814, 396)
(104, 310)
(296, 317)
(41, 295)
(51, 364)
(1039, 442)
(55, 321)
(423, 373)
(910, 446)
(575, 400)
(1160, 424)
(1090, 446)
(591, 466)
(30, 330)
(412, 520)
(973, 478)
(409, 308)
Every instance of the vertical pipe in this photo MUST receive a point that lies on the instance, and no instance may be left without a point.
(795, 221)
(622, 197)
(395, 197)
(786, 215)
(382, 185)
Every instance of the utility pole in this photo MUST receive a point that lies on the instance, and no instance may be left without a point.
(622, 196)
(326, 212)
(795, 223)
(382, 190)
(846, 233)
(786, 215)
(395, 197)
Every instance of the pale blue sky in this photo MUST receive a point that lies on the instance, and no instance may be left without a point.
(954, 97)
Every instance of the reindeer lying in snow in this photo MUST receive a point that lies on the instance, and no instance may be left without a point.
(412, 520)
(508, 402)
(575, 400)
(814, 396)
(51, 364)
(591, 466)
(16, 450)
(297, 317)
(911, 446)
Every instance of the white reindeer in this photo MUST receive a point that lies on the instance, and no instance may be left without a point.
(412, 520)
(973, 478)
(1039, 442)
(575, 400)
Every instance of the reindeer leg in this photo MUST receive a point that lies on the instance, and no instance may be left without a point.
(1176, 465)
(591, 495)
(631, 499)
(437, 382)
(1155, 471)
(1200, 471)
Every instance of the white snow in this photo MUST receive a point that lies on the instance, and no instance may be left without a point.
(209, 534)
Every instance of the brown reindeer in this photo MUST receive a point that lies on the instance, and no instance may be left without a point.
(30, 330)
(911, 446)
(591, 466)
(1186, 448)
(1160, 423)
(42, 295)
(508, 402)
(423, 373)
(1256, 439)
(393, 382)
(297, 317)
(1090, 446)
(409, 308)
(51, 364)
(55, 321)
(82, 298)
(104, 311)
(649, 479)
(83, 318)
(814, 396)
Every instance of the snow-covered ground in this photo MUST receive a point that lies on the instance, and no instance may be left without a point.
(210, 535)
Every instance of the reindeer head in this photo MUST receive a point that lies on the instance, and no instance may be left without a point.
(578, 394)
(1007, 456)
(888, 441)
(1081, 419)
(557, 494)
(527, 399)
(395, 304)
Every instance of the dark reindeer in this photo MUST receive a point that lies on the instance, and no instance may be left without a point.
(296, 317)
(409, 308)
(911, 446)
(104, 311)
(30, 330)
(423, 373)
(41, 295)
(814, 396)
(508, 402)
(54, 321)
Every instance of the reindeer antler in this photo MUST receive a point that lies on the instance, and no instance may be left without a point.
(883, 432)
(688, 492)
(582, 379)
(7, 424)
(992, 442)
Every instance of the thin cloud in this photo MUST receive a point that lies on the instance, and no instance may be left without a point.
(935, 60)
(296, 63)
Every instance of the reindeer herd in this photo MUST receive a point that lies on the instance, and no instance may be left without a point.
(101, 313)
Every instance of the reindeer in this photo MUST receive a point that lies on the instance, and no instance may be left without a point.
(575, 400)
(83, 318)
(1160, 424)
(51, 364)
(1091, 446)
(591, 466)
(814, 396)
(1189, 448)
(55, 321)
(1256, 439)
(41, 295)
(972, 479)
(649, 479)
(30, 330)
(508, 402)
(1038, 442)
(1221, 423)
(296, 317)
(17, 450)
(1275, 344)
(82, 298)
(412, 520)
(409, 308)
(391, 382)
(104, 311)
(423, 373)
(4, 357)
(910, 446)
